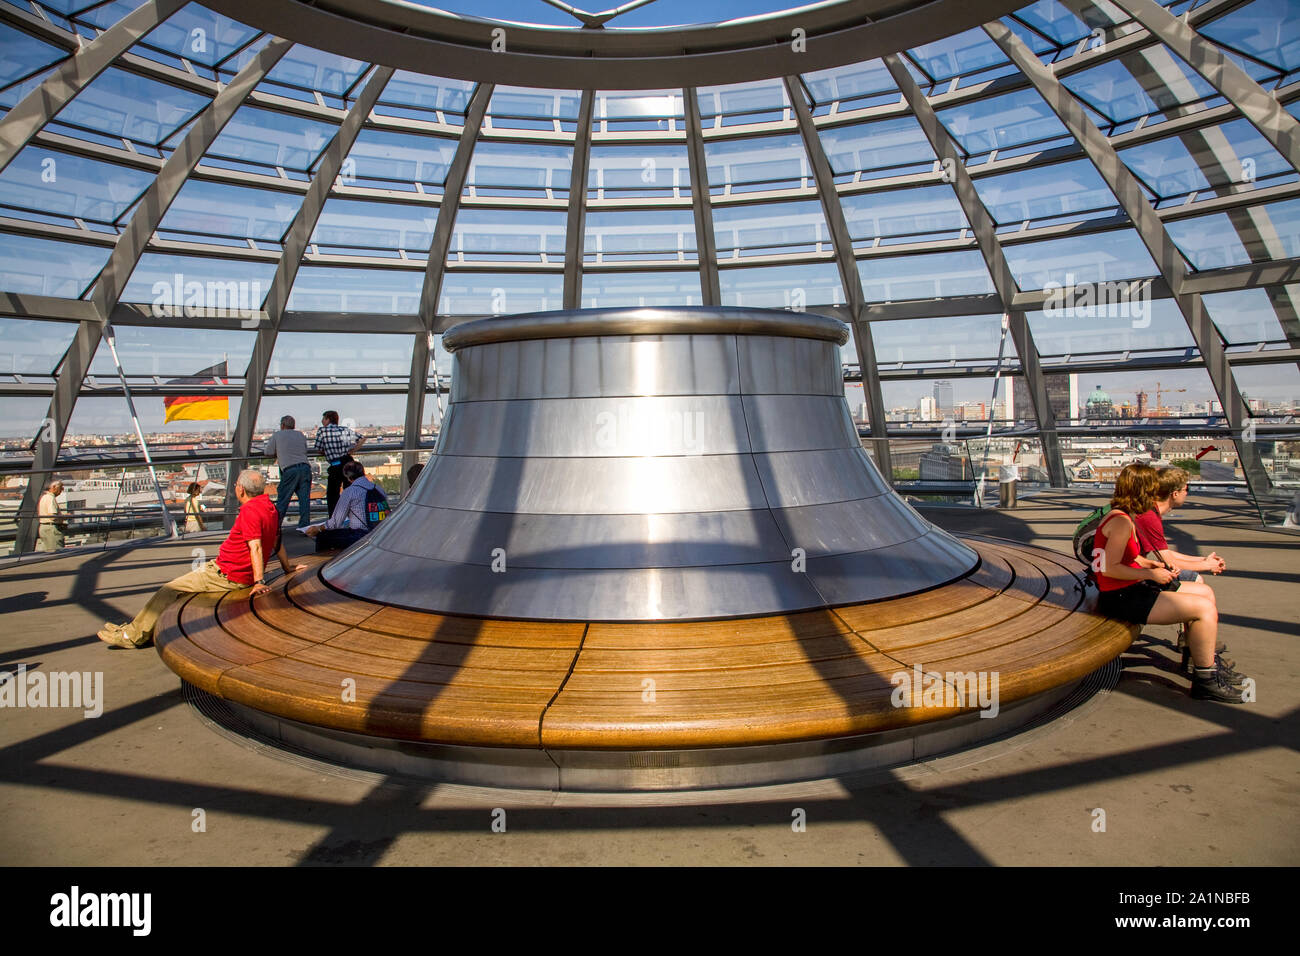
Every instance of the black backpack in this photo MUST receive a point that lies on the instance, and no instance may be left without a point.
(376, 507)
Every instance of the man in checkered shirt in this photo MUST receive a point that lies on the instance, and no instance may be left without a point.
(336, 444)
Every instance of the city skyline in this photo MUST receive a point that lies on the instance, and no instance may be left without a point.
(109, 416)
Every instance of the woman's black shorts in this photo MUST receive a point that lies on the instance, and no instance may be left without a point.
(1132, 603)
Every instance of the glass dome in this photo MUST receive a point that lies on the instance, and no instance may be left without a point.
(278, 206)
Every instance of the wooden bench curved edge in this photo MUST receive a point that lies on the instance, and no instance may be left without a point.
(1021, 622)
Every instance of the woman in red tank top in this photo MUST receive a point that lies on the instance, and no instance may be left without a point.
(1130, 586)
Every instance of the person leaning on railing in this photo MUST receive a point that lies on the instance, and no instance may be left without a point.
(240, 563)
(337, 444)
(1137, 589)
(51, 523)
(289, 446)
(193, 509)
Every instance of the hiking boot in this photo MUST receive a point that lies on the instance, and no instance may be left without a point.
(1215, 687)
(1189, 668)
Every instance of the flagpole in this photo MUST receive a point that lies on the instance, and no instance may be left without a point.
(169, 526)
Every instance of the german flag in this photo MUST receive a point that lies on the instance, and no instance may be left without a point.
(198, 407)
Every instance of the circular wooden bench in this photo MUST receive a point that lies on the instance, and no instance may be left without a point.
(312, 655)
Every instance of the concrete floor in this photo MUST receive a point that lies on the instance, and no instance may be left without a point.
(1181, 782)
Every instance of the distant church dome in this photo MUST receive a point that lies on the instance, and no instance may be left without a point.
(1098, 397)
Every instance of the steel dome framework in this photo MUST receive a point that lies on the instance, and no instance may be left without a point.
(880, 162)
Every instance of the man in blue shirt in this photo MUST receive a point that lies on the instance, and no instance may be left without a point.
(361, 507)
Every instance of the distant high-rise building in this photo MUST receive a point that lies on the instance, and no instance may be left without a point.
(1062, 395)
(926, 408)
(943, 399)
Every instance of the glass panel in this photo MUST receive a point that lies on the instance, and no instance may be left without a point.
(518, 169)
(497, 293)
(378, 417)
(322, 289)
(45, 181)
(625, 172)
(173, 352)
(414, 96)
(609, 289)
(33, 347)
(1168, 393)
(348, 225)
(24, 55)
(320, 356)
(782, 287)
(760, 162)
(903, 215)
(957, 55)
(1270, 389)
(176, 285)
(770, 229)
(47, 266)
(646, 236)
(513, 107)
(124, 104)
(20, 423)
(639, 110)
(1052, 19)
(12, 96)
(877, 150)
(1257, 234)
(935, 401)
(102, 16)
(1233, 154)
(1113, 329)
(1248, 316)
(1002, 122)
(1048, 195)
(853, 87)
(1102, 257)
(205, 209)
(940, 339)
(200, 35)
(103, 423)
(1143, 83)
(310, 69)
(1261, 29)
(508, 235)
(761, 101)
(926, 276)
(268, 139)
(387, 160)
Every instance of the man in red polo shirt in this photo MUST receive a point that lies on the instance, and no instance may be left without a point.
(1171, 493)
(240, 563)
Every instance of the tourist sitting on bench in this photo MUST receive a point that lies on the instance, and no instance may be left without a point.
(1134, 588)
(361, 507)
(1171, 493)
(240, 563)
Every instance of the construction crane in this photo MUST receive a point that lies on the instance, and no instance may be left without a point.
(1160, 403)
